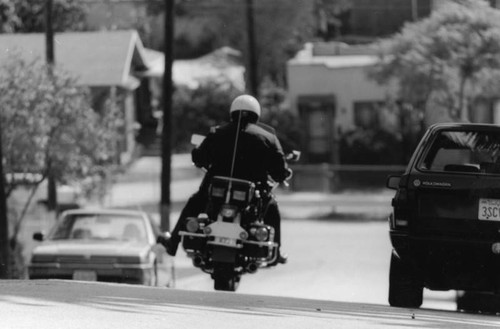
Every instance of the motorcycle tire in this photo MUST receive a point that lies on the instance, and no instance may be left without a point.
(224, 278)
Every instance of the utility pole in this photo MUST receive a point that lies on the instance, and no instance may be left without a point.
(4, 222)
(252, 57)
(50, 59)
(167, 117)
(414, 10)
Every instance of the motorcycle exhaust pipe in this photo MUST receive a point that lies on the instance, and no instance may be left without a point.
(198, 261)
(252, 267)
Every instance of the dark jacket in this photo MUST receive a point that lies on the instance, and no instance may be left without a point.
(258, 153)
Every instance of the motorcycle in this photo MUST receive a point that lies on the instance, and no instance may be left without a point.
(231, 238)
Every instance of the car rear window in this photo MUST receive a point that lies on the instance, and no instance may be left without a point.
(100, 227)
(475, 152)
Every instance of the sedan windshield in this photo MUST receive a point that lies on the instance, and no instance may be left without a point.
(100, 227)
(464, 151)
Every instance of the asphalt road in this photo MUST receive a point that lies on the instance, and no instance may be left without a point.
(71, 304)
(336, 277)
(339, 260)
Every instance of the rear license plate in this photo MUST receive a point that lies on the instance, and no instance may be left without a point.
(85, 276)
(489, 209)
(226, 241)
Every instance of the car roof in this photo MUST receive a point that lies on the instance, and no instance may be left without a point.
(105, 212)
(464, 126)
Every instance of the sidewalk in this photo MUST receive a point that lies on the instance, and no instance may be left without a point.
(140, 188)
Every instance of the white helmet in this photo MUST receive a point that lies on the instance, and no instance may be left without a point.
(245, 103)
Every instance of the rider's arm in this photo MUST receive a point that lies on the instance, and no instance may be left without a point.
(201, 154)
(278, 170)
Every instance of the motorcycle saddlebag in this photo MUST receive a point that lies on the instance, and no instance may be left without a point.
(193, 242)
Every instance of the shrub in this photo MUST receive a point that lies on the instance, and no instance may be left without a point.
(196, 110)
(371, 146)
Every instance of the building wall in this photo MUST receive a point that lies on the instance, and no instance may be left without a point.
(347, 85)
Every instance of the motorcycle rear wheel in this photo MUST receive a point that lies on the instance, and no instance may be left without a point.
(224, 278)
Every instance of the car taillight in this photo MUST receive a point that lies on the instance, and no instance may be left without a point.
(401, 222)
(400, 217)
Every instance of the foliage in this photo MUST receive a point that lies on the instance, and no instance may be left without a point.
(281, 28)
(28, 16)
(196, 110)
(48, 125)
(277, 114)
(447, 60)
(332, 15)
(373, 146)
(49, 128)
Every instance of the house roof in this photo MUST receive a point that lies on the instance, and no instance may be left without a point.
(222, 65)
(103, 58)
(335, 55)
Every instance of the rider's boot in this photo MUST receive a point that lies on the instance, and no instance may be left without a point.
(168, 242)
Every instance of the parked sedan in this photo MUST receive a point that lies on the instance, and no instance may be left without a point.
(102, 245)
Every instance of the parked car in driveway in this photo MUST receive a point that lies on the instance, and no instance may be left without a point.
(102, 245)
(445, 225)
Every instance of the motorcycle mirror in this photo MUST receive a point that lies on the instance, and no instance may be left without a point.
(197, 139)
(293, 156)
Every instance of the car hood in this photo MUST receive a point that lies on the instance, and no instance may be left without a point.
(94, 248)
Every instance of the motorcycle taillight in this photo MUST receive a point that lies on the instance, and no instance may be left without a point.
(228, 211)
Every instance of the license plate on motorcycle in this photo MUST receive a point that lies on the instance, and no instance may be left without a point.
(226, 241)
(85, 276)
(489, 209)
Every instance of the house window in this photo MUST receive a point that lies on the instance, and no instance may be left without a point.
(318, 114)
(366, 114)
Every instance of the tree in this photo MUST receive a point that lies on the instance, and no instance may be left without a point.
(448, 60)
(196, 110)
(332, 16)
(49, 128)
(281, 28)
(27, 16)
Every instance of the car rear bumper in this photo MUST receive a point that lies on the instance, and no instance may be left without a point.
(133, 274)
(446, 263)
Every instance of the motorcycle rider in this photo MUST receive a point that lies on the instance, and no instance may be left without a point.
(257, 155)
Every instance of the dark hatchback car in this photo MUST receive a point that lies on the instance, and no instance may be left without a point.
(445, 225)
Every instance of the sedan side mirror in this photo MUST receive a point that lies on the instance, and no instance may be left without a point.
(38, 236)
(393, 182)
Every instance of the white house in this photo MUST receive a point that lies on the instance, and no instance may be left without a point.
(330, 90)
